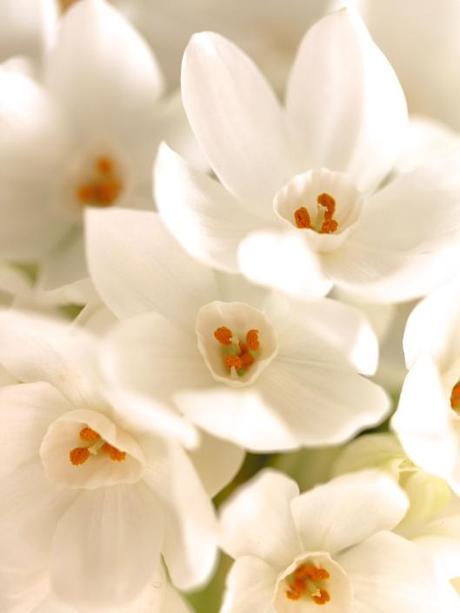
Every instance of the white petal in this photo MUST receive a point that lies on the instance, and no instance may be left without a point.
(347, 510)
(150, 355)
(108, 88)
(205, 218)
(236, 118)
(442, 539)
(424, 422)
(28, 521)
(137, 266)
(107, 546)
(25, 413)
(257, 520)
(33, 144)
(216, 462)
(391, 574)
(344, 101)
(250, 587)
(433, 327)
(337, 324)
(321, 401)
(283, 261)
(190, 543)
(34, 348)
(406, 241)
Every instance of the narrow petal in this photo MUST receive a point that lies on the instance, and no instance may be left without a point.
(107, 546)
(35, 348)
(216, 462)
(250, 587)
(206, 219)
(137, 266)
(26, 411)
(406, 242)
(257, 520)
(283, 261)
(344, 101)
(391, 574)
(108, 88)
(424, 422)
(190, 542)
(34, 142)
(348, 510)
(236, 118)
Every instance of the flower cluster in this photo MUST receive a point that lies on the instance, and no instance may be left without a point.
(229, 321)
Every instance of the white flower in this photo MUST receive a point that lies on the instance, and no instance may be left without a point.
(243, 363)
(86, 136)
(296, 206)
(97, 487)
(330, 546)
(432, 520)
(428, 420)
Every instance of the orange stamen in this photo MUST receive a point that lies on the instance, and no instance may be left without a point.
(302, 218)
(252, 339)
(233, 361)
(223, 335)
(104, 165)
(322, 598)
(303, 583)
(88, 434)
(329, 225)
(79, 455)
(115, 454)
(455, 397)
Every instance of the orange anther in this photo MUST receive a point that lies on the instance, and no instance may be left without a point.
(88, 434)
(223, 335)
(322, 598)
(246, 360)
(85, 194)
(104, 165)
(329, 203)
(252, 339)
(329, 226)
(233, 361)
(79, 455)
(455, 397)
(115, 454)
(302, 218)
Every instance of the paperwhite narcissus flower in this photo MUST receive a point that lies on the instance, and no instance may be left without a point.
(296, 206)
(241, 362)
(96, 487)
(433, 517)
(87, 136)
(427, 421)
(329, 547)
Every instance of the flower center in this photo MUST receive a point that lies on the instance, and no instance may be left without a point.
(94, 444)
(324, 222)
(455, 397)
(103, 187)
(238, 355)
(308, 582)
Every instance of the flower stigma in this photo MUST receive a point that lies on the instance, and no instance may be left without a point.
(237, 354)
(324, 222)
(96, 444)
(307, 582)
(104, 185)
